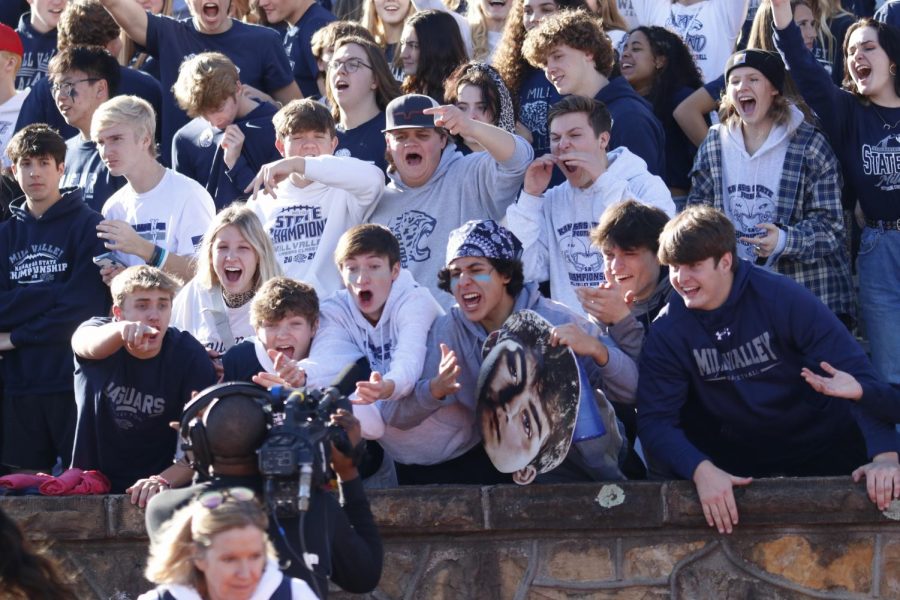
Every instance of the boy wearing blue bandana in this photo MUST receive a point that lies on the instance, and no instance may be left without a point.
(484, 274)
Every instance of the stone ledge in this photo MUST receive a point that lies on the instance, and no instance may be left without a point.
(459, 510)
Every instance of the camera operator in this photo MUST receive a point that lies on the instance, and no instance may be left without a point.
(340, 541)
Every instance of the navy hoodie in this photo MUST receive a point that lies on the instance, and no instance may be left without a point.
(634, 124)
(39, 49)
(48, 285)
(197, 153)
(726, 382)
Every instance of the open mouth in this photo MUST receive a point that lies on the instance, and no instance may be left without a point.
(863, 72)
(341, 85)
(365, 296)
(414, 159)
(287, 350)
(233, 274)
(471, 300)
(210, 10)
(568, 167)
(690, 292)
(747, 104)
(497, 4)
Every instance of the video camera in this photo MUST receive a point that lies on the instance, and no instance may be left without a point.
(296, 452)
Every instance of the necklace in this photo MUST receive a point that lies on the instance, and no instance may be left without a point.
(887, 126)
(237, 300)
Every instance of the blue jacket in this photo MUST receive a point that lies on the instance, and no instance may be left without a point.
(727, 381)
(634, 124)
(48, 286)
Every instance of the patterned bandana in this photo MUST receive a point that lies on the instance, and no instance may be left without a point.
(507, 119)
(483, 238)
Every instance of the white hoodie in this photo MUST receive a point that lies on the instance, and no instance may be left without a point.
(750, 183)
(554, 228)
(271, 579)
(305, 224)
(395, 346)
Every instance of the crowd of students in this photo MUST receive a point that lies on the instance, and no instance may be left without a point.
(177, 214)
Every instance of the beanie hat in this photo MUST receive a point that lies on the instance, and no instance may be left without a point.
(10, 40)
(767, 63)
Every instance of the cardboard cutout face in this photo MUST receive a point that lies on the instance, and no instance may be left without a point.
(527, 397)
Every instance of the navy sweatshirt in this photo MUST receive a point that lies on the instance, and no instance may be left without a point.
(197, 153)
(864, 137)
(48, 285)
(85, 169)
(39, 106)
(125, 405)
(297, 46)
(240, 363)
(634, 124)
(257, 52)
(39, 49)
(726, 382)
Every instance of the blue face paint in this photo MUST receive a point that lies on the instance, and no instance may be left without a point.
(479, 277)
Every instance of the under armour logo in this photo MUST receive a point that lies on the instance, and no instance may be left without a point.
(721, 335)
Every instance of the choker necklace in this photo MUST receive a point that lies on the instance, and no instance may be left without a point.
(887, 126)
(237, 300)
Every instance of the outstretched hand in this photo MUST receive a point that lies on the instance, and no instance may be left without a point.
(839, 385)
(444, 383)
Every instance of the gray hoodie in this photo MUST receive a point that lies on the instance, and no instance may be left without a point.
(439, 430)
(462, 188)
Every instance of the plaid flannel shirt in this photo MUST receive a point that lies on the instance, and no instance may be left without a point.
(808, 211)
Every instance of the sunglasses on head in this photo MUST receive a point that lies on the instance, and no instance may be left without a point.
(216, 498)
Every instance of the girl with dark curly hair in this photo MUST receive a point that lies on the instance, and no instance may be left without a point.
(659, 67)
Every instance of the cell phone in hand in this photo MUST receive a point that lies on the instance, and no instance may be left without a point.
(107, 259)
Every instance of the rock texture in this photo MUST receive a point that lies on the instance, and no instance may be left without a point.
(797, 539)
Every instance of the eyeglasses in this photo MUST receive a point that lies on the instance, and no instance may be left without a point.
(67, 88)
(478, 274)
(351, 65)
(217, 498)
(409, 44)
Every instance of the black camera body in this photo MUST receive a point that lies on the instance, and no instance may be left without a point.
(296, 453)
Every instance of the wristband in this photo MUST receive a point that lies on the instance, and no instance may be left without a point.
(164, 254)
(153, 261)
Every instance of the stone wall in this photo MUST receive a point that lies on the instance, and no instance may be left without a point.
(812, 538)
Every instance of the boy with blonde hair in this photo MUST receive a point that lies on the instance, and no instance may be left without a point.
(159, 217)
(133, 376)
(230, 136)
(311, 197)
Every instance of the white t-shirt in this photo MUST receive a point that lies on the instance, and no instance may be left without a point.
(174, 215)
(9, 114)
(710, 29)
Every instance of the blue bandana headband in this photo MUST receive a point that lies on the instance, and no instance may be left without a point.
(486, 239)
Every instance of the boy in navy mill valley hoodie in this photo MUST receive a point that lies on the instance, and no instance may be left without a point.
(720, 396)
(48, 285)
